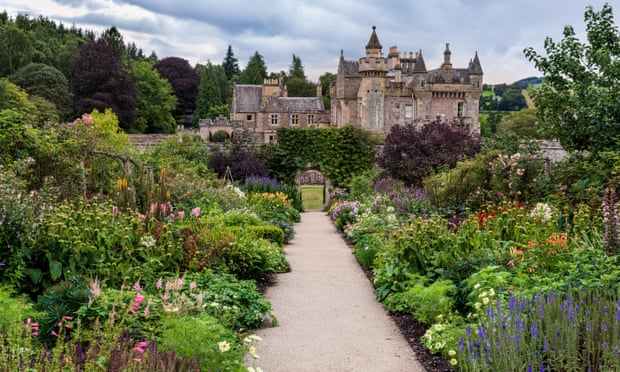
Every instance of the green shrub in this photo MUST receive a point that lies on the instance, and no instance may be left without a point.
(19, 212)
(14, 311)
(273, 234)
(203, 337)
(366, 247)
(237, 303)
(241, 217)
(424, 302)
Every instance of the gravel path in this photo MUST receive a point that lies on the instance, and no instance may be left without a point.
(328, 317)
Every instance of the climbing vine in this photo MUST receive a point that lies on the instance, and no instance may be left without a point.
(340, 153)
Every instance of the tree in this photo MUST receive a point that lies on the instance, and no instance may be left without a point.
(255, 72)
(47, 82)
(326, 79)
(208, 94)
(296, 70)
(113, 38)
(410, 154)
(231, 67)
(100, 81)
(184, 80)
(578, 99)
(155, 100)
(512, 100)
(16, 48)
(14, 98)
(522, 123)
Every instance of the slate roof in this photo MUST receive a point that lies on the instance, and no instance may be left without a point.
(302, 103)
(452, 76)
(351, 68)
(248, 97)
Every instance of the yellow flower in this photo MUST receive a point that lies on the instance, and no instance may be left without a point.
(485, 300)
(452, 353)
(438, 327)
(453, 362)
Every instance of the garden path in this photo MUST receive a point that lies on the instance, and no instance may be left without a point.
(328, 317)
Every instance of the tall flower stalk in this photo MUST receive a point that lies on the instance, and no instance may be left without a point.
(611, 221)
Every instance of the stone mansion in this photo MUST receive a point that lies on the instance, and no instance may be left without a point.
(375, 92)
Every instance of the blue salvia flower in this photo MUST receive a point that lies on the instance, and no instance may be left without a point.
(529, 368)
(534, 331)
(604, 325)
(462, 344)
(588, 326)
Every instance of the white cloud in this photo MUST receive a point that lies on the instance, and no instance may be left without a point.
(316, 30)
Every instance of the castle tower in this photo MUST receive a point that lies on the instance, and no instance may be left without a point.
(373, 69)
(447, 65)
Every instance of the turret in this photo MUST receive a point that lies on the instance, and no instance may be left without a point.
(447, 65)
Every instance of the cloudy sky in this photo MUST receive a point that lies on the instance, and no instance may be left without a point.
(316, 31)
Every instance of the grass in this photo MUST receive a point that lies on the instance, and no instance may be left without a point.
(312, 197)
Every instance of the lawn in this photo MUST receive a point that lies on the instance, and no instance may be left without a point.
(312, 197)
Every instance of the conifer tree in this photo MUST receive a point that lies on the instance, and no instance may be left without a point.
(255, 72)
(231, 67)
(208, 93)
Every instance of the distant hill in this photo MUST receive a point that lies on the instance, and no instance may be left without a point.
(526, 82)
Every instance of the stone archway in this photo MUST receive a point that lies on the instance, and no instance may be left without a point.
(312, 176)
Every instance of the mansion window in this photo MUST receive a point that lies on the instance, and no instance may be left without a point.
(294, 119)
(459, 110)
(249, 117)
(408, 112)
(310, 119)
(274, 119)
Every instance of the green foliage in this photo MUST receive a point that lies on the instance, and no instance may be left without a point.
(220, 136)
(578, 98)
(155, 101)
(16, 48)
(231, 67)
(255, 71)
(366, 248)
(95, 240)
(424, 302)
(19, 213)
(16, 140)
(522, 123)
(548, 330)
(12, 97)
(340, 153)
(208, 94)
(271, 233)
(14, 311)
(218, 350)
(47, 82)
(237, 302)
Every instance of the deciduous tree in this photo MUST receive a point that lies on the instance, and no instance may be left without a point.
(579, 97)
(184, 80)
(410, 153)
(155, 101)
(47, 82)
(100, 81)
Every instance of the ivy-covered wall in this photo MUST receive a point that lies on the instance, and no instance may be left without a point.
(339, 153)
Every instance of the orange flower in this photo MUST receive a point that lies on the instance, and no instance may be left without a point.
(511, 263)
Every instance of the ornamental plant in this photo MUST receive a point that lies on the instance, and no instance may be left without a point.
(575, 331)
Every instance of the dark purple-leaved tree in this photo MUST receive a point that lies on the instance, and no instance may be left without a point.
(99, 80)
(184, 80)
(410, 153)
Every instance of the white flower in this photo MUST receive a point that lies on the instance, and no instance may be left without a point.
(485, 300)
(491, 292)
(148, 241)
(451, 352)
(224, 346)
(477, 286)
(542, 211)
